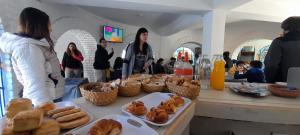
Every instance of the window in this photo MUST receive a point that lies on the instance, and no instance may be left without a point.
(1, 93)
(1, 78)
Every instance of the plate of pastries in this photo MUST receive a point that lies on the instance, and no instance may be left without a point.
(159, 109)
(21, 118)
(115, 125)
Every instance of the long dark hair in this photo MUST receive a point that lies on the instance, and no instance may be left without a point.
(118, 63)
(137, 41)
(35, 24)
(77, 52)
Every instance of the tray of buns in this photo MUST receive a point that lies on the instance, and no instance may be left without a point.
(70, 116)
(46, 118)
(159, 109)
(115, 125)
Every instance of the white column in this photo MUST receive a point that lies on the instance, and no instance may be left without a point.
(213, 32)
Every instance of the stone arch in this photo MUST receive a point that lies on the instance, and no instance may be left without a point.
(258, 44)
(85, 42)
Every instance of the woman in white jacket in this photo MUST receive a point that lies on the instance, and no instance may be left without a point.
(33, 57)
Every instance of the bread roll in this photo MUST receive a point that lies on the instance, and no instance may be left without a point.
(64, 113)
(60, 110)
(71, 117)
(45, 107)
(17, 105)
(9, 131)
(75, 123)
(27, 120)
(48, 127)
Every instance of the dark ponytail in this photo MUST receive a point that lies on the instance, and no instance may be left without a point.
(35, 24)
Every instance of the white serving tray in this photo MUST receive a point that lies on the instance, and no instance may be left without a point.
(127, 128)
(153, 100)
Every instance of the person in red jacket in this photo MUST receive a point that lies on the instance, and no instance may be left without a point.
(71, 62)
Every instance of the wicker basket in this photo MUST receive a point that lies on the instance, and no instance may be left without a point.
(190, 93)
(152, 88)
(130, 90)
(98, 98)
(283, 91)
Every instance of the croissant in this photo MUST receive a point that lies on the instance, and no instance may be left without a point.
(106, 127)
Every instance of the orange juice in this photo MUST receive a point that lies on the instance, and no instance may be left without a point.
(218, 74)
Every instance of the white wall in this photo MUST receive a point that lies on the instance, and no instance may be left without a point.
(169, 44)
(65, 17)
(235, 34)
(240, 32)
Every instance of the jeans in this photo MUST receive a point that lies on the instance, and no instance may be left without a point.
(72, 73)
(100, 75)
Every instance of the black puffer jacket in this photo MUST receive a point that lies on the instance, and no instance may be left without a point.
(283, 53)
(101, 58)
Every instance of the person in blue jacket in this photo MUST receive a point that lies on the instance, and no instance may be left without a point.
(254, 74)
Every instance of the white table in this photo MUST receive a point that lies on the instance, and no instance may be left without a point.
(180, 126)
(228, 105)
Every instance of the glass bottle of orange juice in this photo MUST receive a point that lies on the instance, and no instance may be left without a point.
(218, 73)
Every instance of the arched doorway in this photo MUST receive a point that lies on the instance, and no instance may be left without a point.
(184, 50)
(193, 49)
(258, 47)
(85, 42)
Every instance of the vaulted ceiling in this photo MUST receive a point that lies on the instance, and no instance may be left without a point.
(166, 17)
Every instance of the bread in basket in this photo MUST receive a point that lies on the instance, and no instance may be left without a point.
(129, 88)
(154, 84)
(184, 87)
(99, 93)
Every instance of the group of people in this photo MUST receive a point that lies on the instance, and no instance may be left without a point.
(138, 59)
(38, 69)
(282, 55)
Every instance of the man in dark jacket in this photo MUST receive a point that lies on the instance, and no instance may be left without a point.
(284, 52)
(101, 64)
(228, 61)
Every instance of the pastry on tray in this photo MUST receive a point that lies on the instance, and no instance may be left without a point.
(169, 107)
(177, 100)
(157, 115)
(106, 127)
(137, 108)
